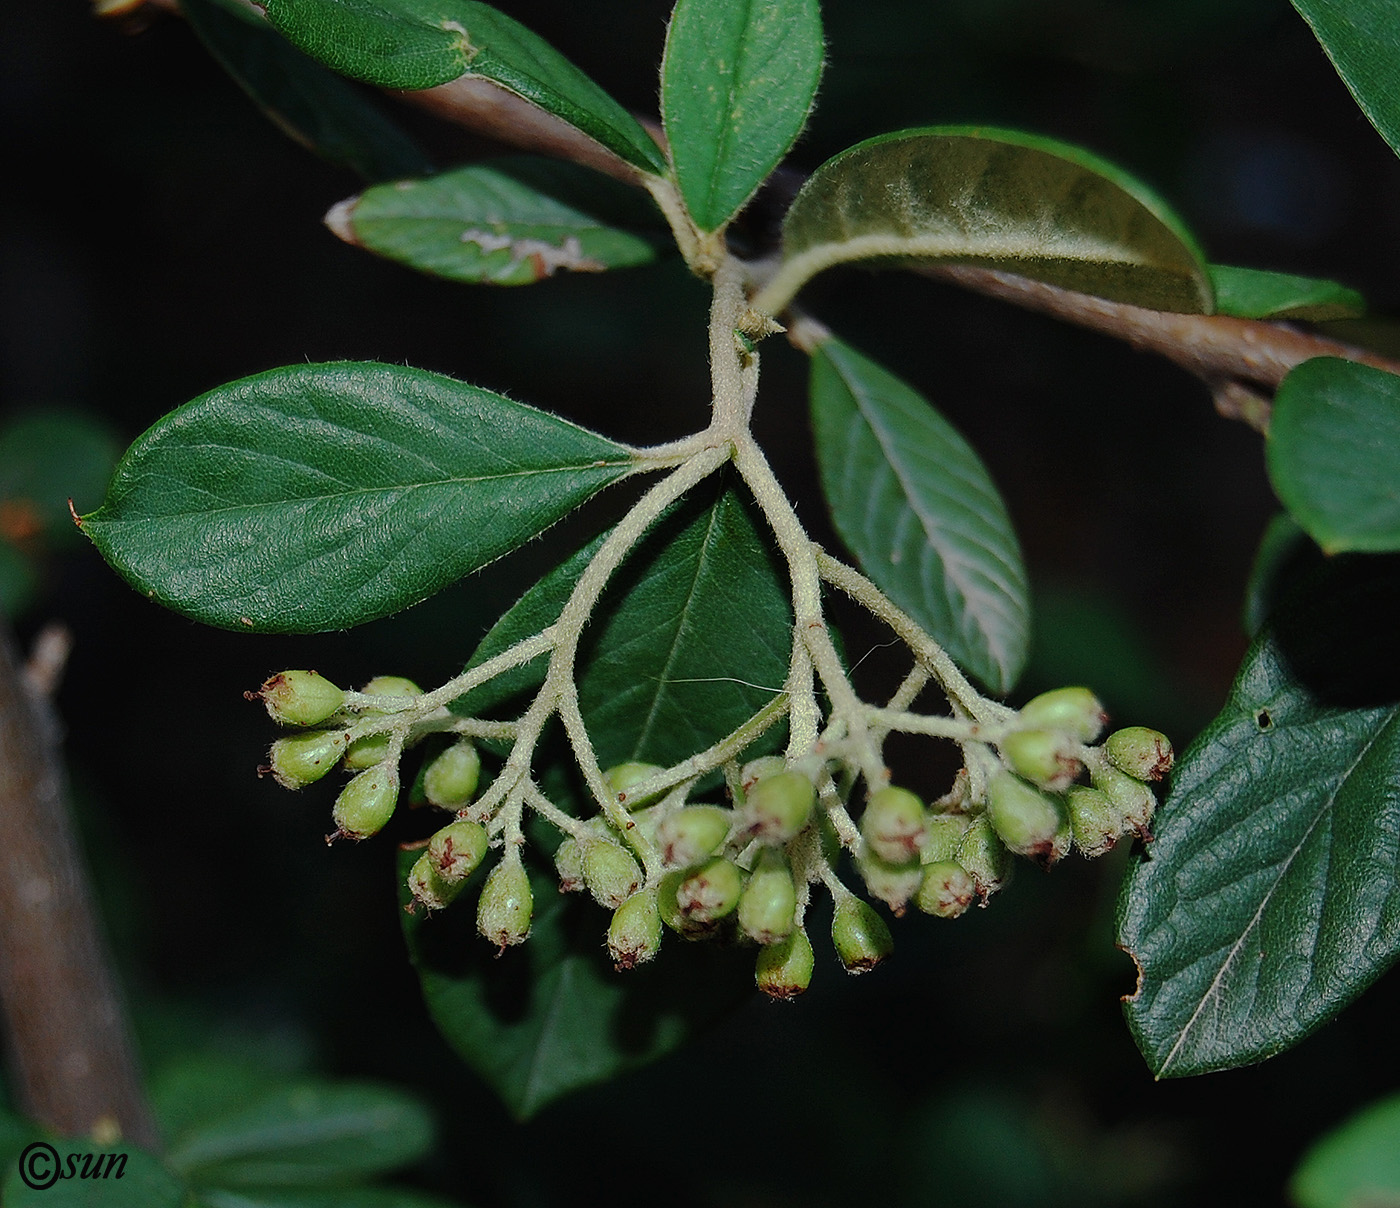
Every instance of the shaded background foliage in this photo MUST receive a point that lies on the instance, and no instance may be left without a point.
(159, 237)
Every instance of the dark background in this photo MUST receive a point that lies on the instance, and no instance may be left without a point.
(158, 237)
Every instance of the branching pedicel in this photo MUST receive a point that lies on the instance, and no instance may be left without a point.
(745, 870)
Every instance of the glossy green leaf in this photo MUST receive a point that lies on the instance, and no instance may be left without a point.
(1333, 453)
(493, 224)
(303, 1134)
(551, 1015)
(1270, 897)
(1362, 38)
(314, 106)
(78, 1174)
(319, 496)
(1000, 199)
(691, 639)
(416, 44)
(914, 503)
(1248, 293)
(1356, 1165)
(737, 83)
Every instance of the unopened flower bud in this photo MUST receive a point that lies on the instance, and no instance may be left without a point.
(893, 884)
(768, 904)
(457, 849)
(984, 856)
(300, 698)
(862, 940)
(367, 802)
(366, 752)
(692, 833)
(1134, 801)
(778, 807)
(304, 758)
(893, 825)
(428, 888)
(760, 769)
(1073, 711)
(1096, 822)
(1142, 753)
(612, 876)
(942, 837)
(634, 935)
(1028, 820)
(1041, 756)
(568, 863)
(450, 781)
(503, 913)
(710, 892)
(784, 969)
(621, 779)
(947, 889)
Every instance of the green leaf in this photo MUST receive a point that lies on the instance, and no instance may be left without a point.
(1356, 1165)
(319, 496)
(306, 1134)
(737, 83)
(1362, 38)
(314, 106)
(914, 503)
(690, 640)
(1270, 897)
(96, 1178)
(1249, 293)
(1333, 453)
(1001, 199)
(416, 44)
(551, 1015)
(493, 223)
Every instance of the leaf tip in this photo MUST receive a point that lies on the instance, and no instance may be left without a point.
(338, 220)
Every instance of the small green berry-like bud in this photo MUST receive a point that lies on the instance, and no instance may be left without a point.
(367, 802)
(391, 685)
(1041, 756)
(946, 890)
(778, 807)
(862, 940)
(450, 781)
(710, 892)
(784, 969)
(503, 913)
(768, 905)
(621, 778)
(1144, 754)
(300, 698)
(457, 849)
(1096, 822)
(944, 834)
(428, 888)
(760, 769)
(894, 825)
(893, 884)
(692, 833)
(985, 858)
(1073, 711)
(1026, 819)
(612, 876)
(303, 759)
(1134, 801)
(568, 863)
(634, 935)
(366, 752)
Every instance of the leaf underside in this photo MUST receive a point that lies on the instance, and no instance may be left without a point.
(914, 503)
(997, 199)
(321, 496)
(1270, 897)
